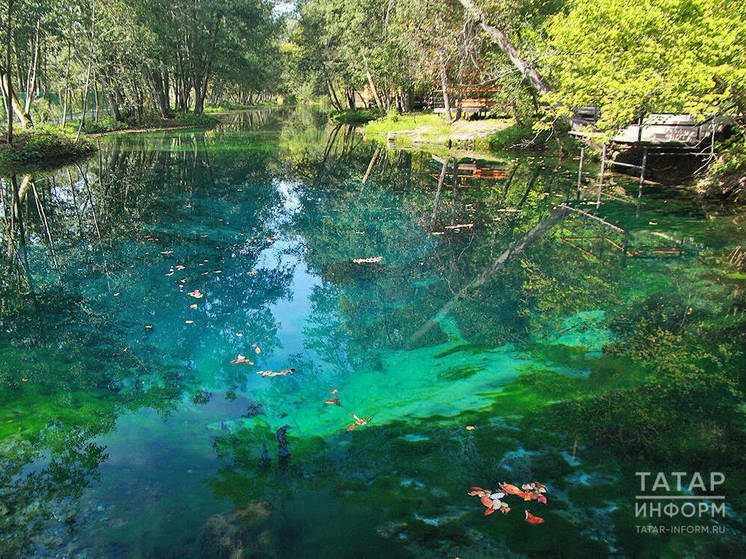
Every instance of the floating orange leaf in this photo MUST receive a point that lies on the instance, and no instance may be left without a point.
(510, 489)
(257, 350)
(194, 306)
(334, 401)
(531, 519)
(358, 422)
(241, 359)
(196, 294)
(276, 373)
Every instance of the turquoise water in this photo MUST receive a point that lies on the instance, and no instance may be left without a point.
(126, 431)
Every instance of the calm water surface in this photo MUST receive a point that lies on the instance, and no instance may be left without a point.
(141, 273)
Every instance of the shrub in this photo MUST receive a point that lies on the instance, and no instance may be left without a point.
(43, 144)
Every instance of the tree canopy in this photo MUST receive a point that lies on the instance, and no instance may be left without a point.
(160, 57)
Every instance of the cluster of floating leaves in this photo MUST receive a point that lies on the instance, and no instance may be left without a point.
(493, 500)
(359, 421)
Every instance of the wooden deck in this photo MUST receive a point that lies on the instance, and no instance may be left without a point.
(656, 130)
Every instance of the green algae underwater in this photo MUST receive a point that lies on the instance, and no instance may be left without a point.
(610, 345)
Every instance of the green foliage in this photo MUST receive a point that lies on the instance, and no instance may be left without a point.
(396, 123)
(191, 119)
(354, 117)
(649, 56)
(726, 177)
(45, 143)
(105, 124)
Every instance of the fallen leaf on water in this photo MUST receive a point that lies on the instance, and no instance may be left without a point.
(241, 359)
(149, 326)
(470, 427)
(510, 489)
(358, 422)
(276, 374)
(189, 321)
(239, 334)
(334, 401)
(196, 294)
(367, 260)
(257, 350)
(333, 391)
(194, 306)
(531, 519)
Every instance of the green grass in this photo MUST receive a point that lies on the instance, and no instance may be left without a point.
(224, 107)
(525, 137)
(358, 116)
(44, 144)
(512, 136)
(397, 123)
(148, 120)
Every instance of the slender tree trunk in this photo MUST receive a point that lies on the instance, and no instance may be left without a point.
(444, 88)
(84, 100)
(372, 85)
(31, 74)
(67, 86)
(14, 104)
(443, 76)
(9, 82)
(502, 41)
(95, 100)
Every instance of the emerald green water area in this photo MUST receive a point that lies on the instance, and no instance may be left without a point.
(609, 343)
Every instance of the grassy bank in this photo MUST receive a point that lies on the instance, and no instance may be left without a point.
(53, 145)
(487, 135)
(45, 145)
(146, 122)
(430, 129)
(354, 117)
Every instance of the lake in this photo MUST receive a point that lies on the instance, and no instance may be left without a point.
(274, 338)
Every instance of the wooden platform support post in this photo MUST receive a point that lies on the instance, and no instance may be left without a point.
(580, 168)
(601, 178)
(642, 171)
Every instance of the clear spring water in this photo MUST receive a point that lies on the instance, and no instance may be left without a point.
(127, 432)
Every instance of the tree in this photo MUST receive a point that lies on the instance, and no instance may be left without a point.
(643, 56)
